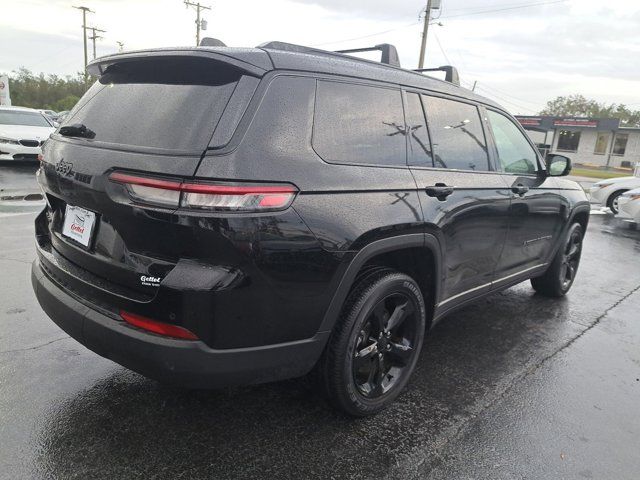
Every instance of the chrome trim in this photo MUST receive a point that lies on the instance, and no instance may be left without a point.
(490, 283)
(533, 240)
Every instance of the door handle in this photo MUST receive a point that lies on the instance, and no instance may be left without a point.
(519, 189)
(440, 191)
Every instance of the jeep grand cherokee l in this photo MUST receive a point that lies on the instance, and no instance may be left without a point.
(221, 216)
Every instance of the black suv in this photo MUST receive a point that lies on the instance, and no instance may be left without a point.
(222, 216)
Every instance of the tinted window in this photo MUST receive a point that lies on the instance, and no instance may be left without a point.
(568, 141)
(419, 145)
(15, 117)
(620, 143)
(359, 124)
(456, 135)
(170, 104)
(514, 151)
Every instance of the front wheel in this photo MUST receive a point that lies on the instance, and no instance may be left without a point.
(560, 275)
(613, 201)
(375, 344)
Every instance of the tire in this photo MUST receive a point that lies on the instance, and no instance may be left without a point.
(560, 275)
(612, 201)
(375, 344)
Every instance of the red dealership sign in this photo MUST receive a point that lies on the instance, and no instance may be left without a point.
(576, 122)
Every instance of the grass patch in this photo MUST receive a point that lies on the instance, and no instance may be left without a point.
(602, 174)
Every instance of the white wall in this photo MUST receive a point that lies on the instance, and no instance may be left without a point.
(586, 155)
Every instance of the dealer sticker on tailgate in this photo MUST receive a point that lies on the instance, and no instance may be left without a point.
(78, 224)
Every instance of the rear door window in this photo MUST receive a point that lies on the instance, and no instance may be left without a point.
(515, 153)
(456, 134)
(167, 104)
(359, 124)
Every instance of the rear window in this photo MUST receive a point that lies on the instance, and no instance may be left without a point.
(168, 103)
(359, 124)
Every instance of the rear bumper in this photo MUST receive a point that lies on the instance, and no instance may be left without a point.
(186, 363)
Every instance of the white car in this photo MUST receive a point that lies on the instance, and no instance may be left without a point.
(607, 192)
(22, 133)
(629, 203)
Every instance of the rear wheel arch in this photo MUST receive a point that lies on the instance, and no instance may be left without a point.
(417, 255)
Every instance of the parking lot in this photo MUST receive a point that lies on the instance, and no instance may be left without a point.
(514, 386)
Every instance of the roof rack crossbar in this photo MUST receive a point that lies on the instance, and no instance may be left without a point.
(389, 53)
(451, 73)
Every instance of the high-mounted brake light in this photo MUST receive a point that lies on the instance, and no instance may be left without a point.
(254, 197)
(161, 328)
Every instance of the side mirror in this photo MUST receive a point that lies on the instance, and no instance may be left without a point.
(558, 165)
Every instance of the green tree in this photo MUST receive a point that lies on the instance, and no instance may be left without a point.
(45, 91)
(580, 106)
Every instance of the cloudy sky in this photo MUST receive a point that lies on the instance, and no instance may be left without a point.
(520, 57)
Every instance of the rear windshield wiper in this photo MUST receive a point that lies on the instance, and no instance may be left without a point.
(77, 130)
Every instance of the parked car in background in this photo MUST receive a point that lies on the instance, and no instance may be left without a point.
(607, 192)
(61, 116)
(629, 204)
(22, 133)
(52, 115)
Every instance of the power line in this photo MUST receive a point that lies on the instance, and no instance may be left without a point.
(504, 9)
(479, 12)
(444, 54)
(505, 100)
(500, 92)
(366, 36)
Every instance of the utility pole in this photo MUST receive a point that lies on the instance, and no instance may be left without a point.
(425, 31)
(475, 84)
(84, 36)
(120, 46)
(94, 37)
(199, 23)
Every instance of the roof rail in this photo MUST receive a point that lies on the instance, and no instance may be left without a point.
(451, 72)
(389, 53)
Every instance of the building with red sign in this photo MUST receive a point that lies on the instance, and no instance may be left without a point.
(592, 141)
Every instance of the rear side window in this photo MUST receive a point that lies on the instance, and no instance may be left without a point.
(169, 104)
(419, 145)
(456, 134)
(514, 151)
(359, 124)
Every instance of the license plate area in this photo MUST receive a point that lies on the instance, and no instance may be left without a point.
(79, 225)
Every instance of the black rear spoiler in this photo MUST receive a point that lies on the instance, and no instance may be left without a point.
(98, 66)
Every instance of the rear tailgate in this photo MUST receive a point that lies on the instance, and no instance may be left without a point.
(149, 115)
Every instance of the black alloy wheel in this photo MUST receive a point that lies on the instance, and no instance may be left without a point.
(571, 258)
(385, 345)
(562, 271)
(375, 344)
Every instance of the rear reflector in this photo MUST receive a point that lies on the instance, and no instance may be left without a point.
(254, 197)
(161, 328)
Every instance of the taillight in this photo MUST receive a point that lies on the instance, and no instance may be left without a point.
(246, 197)
(161, 328)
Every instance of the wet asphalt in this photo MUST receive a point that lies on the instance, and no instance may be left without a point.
(514, 386)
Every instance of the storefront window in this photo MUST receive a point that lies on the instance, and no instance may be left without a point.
(601, 143)
(620, 144)
(568, 141)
